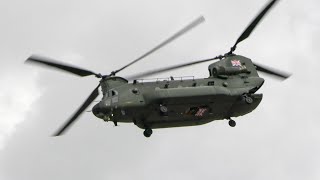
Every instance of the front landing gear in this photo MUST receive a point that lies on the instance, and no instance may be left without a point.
(232, 123)
(147, 132)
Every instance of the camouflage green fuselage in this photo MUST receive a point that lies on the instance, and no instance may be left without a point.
(183, 102)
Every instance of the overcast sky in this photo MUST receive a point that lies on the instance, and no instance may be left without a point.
(279, 140)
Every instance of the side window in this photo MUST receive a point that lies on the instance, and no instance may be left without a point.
(113, 93)
(211, 83)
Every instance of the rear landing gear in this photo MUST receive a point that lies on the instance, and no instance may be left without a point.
(147, 132)
(232, 123)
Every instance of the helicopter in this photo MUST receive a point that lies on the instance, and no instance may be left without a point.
(228, 92)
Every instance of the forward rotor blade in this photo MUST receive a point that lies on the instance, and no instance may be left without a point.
(167, 41)
(272, 71)
(59, 65)
(253, 24)
(165, 69)
(88, 101)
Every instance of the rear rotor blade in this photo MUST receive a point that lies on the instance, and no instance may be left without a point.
(272, 71)
(88, 101)
(165, 69)
(59, 65)
(253, 24)
(167, 41)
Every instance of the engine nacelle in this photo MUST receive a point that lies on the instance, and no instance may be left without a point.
(232, 66)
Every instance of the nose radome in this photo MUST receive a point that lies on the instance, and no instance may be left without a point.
(100, 110)
(96, 109)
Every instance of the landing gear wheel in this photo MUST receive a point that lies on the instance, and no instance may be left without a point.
(232, 123)
(147, 132)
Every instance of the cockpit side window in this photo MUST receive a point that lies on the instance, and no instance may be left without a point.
(113, 93)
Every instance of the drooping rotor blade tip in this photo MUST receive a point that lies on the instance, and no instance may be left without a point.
(59, 65)
(201, 19)
(184, 30)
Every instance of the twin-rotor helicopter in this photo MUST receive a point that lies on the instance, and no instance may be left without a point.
(229, 91)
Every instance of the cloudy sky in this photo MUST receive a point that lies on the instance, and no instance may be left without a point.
(279, 140)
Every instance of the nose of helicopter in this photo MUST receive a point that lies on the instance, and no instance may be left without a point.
(100, 110)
